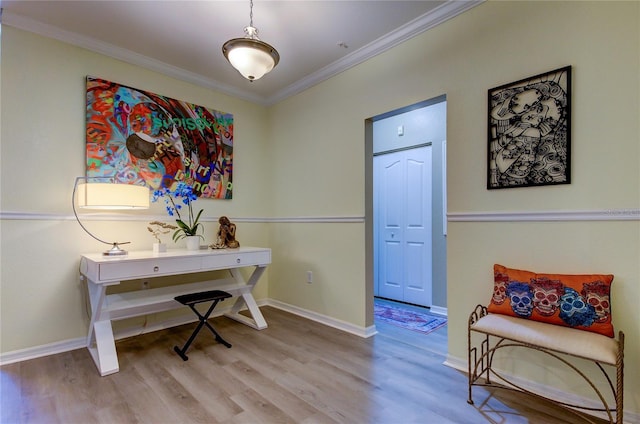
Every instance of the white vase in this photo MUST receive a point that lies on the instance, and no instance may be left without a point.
(193, 242)
(159, 247)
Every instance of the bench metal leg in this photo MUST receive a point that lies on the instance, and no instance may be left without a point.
(480, 361)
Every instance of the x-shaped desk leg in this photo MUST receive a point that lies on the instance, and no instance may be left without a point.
(256, 321)
(100, 341)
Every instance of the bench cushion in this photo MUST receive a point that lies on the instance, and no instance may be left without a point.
(579, 301)
(582, 344)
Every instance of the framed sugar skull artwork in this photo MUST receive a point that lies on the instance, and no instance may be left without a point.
(529, 127)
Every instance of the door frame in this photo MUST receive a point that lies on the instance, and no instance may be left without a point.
(368, 207)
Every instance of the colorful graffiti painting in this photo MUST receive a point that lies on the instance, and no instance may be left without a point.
(137, 137)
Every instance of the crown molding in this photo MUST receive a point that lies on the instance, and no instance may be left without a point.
(124, 55)
(440, 14)
(419, 25)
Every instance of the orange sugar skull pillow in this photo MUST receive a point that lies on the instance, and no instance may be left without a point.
(578, 301)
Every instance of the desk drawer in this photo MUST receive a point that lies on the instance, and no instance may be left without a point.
(239, 259)
(137, 269)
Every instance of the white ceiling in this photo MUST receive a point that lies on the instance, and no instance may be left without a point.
(184, 38)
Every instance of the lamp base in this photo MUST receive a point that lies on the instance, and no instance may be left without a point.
(115, 251)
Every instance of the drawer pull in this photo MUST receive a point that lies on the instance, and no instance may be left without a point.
(156, 268)
(238, 260)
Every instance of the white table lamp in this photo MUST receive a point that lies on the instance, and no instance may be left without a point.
(108, 196)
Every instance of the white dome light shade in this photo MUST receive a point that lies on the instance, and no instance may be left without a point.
(253, 58)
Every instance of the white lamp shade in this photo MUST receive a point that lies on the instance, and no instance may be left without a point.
(112, 196)
(252, 58)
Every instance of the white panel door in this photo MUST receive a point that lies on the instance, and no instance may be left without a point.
(402, 202)
(390, 170)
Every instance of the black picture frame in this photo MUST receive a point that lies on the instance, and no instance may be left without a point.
(529, 131)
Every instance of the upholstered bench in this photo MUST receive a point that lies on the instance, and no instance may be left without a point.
(495, 327)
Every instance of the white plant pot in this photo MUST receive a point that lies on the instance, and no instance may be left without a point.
(193, 242)
(159, 247)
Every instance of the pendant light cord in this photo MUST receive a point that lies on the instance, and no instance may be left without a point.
(251, 13)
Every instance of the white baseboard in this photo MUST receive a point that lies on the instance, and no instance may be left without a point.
(549, 391)
(79, 343)
(324, 319)
(438, 310)
(43, 350)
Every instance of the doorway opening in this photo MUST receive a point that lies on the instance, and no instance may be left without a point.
(411, 324)
(402, 217)
(406, 206)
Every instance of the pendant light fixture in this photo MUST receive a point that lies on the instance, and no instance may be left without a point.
(252, 57)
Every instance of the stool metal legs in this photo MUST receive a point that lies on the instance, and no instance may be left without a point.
(203, 322)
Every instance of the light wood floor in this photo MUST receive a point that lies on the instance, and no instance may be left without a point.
(295, 371)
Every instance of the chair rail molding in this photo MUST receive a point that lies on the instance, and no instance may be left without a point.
(613, 214)
(34, 216)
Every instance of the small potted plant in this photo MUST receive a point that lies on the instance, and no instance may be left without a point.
(157, 228)
(188, 227)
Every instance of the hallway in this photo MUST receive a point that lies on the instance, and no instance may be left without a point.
(436, 341)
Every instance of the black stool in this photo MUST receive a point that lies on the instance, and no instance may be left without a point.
(193, 299)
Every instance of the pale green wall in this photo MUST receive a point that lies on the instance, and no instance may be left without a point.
(42, 151)
(319, 168)
(305, 157)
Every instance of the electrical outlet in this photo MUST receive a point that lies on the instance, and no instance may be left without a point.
(309, 277)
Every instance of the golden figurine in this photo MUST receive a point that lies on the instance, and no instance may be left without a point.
(226, 237)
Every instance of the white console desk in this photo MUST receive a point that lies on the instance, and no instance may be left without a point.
(103, 271)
